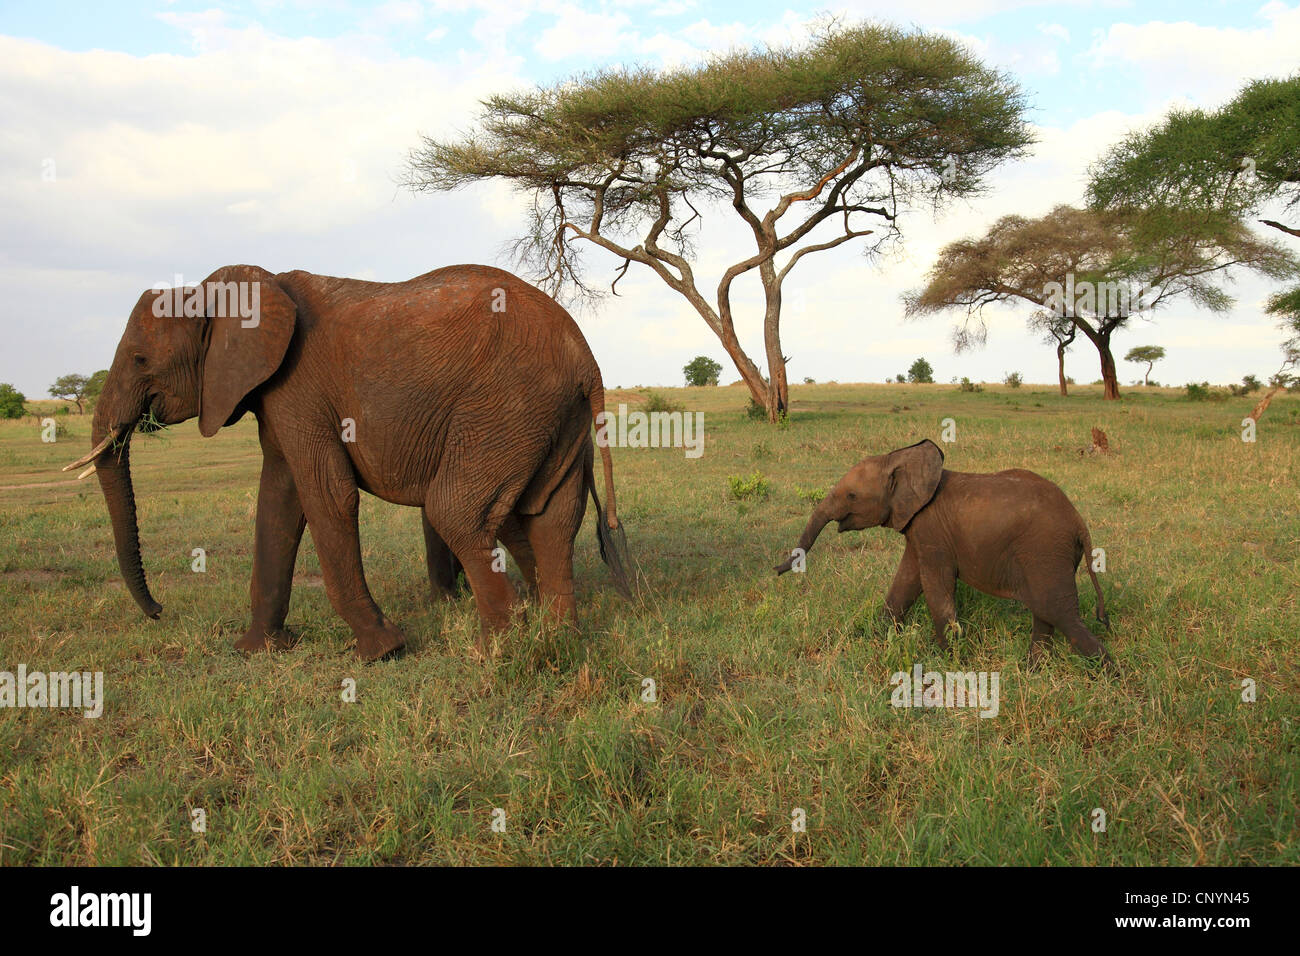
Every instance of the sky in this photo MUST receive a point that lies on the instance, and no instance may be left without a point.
(145, 141)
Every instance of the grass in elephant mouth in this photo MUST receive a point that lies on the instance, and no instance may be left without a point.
(149, 423)
(772, 694)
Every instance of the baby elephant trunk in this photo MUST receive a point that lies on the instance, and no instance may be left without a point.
(820, 516)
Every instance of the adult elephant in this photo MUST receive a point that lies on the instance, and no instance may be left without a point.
(465, 392)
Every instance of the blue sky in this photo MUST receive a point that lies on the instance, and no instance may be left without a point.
(145, 140)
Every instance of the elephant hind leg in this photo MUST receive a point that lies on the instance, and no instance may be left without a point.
(1081, 639)
(1043, 631)
(551, 534)
(444, 568)
(516, 541)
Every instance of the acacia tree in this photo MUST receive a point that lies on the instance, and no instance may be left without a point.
(1059, 331)
(1237, 160)
(1098, 269)
(1145, 353)
(847, 131)
(71, 388)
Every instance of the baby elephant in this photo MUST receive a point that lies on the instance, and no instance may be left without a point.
(1011, 534)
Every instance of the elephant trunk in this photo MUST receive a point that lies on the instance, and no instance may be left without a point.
(821, 515)
(113, 468)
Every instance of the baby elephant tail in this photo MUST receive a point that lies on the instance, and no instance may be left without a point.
(1085, 542)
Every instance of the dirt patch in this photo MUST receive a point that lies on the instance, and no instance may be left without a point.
(33, 577)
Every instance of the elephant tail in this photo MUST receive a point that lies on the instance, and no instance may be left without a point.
(1085, 542)
(609, 531)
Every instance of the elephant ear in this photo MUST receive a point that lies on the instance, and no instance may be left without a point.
(250, 322)
(914, 473)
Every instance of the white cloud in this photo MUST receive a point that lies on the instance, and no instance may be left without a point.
(1205, 63)
(284, 152)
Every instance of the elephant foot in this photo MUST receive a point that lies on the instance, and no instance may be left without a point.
(379, 642)
(261, 637)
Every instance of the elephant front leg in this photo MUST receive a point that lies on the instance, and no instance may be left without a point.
(279, 530)
(905, 589)
(330, 499)
(940, 586)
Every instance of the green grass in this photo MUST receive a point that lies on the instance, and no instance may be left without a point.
(772, 693)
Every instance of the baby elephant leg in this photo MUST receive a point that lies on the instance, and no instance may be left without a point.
(905, 589)
(1083, 641)
(1043, 632)
(940, 586)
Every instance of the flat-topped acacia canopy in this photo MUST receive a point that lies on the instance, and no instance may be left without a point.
(851, 128)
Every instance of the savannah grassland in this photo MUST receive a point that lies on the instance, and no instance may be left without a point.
(772, 694)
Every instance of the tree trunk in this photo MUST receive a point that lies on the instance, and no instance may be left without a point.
(1060, 368)
(1265, 402)
(1146, 379)
(778, 390)
(1108, 379)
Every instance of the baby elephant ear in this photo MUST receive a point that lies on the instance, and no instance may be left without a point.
(914, 473)
(250, 322)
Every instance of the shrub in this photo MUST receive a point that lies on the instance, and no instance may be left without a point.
(1204, 392)
(968, 386)
(755, 412)
(921, 373)
(809, 381)
(811, 495)
(11, 401)
(1012, 380)
(755, 486)
(658, 402)
(702, 370)
(901, 379)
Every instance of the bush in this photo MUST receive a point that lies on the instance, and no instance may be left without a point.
(702, 370)
(901, 379)
(1204, 392)
(1012, 380)
(11, 401)
(755, 486)
(811, 495)
(968, 386)
(755, 412)
(658, 402)
(921, 373)
(809, 381)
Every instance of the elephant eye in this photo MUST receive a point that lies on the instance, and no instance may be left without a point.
(140, 360)
(852, 495)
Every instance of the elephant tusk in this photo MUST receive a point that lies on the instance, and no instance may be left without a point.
(94, 452)
(88, 471)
